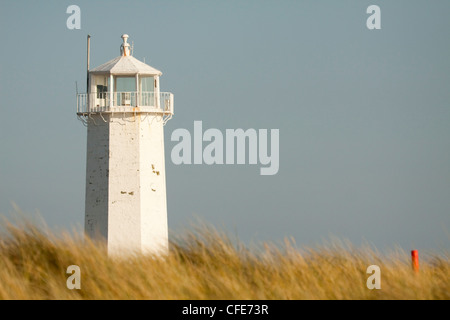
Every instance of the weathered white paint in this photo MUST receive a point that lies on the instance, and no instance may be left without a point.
(125, 182)
(111, 91)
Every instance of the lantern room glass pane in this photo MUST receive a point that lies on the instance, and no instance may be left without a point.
(126, 84)
(126, 91)
(147, 95)
(147, 84)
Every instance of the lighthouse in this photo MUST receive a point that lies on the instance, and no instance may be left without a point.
(125, 113)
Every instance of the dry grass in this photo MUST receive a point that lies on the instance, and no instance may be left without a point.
(206, 264)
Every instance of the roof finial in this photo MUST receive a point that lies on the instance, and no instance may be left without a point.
(125, 46)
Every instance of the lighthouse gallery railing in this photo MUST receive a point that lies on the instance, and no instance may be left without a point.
(100, 101)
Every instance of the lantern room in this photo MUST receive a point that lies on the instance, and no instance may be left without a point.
(124, 84)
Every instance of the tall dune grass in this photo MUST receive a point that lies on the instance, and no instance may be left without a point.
(206, 264)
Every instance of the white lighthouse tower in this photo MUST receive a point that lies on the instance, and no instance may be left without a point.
(125, 113)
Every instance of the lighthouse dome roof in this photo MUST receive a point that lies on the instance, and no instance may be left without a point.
(125, 65)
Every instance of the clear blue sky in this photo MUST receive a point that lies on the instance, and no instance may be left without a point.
(364, 116)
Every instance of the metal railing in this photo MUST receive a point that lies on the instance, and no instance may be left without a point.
(166, 99)
(100, 101)
(81, 102)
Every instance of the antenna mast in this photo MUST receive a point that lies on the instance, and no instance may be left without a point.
(88, 58)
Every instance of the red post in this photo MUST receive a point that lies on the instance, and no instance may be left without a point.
(415, 260)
